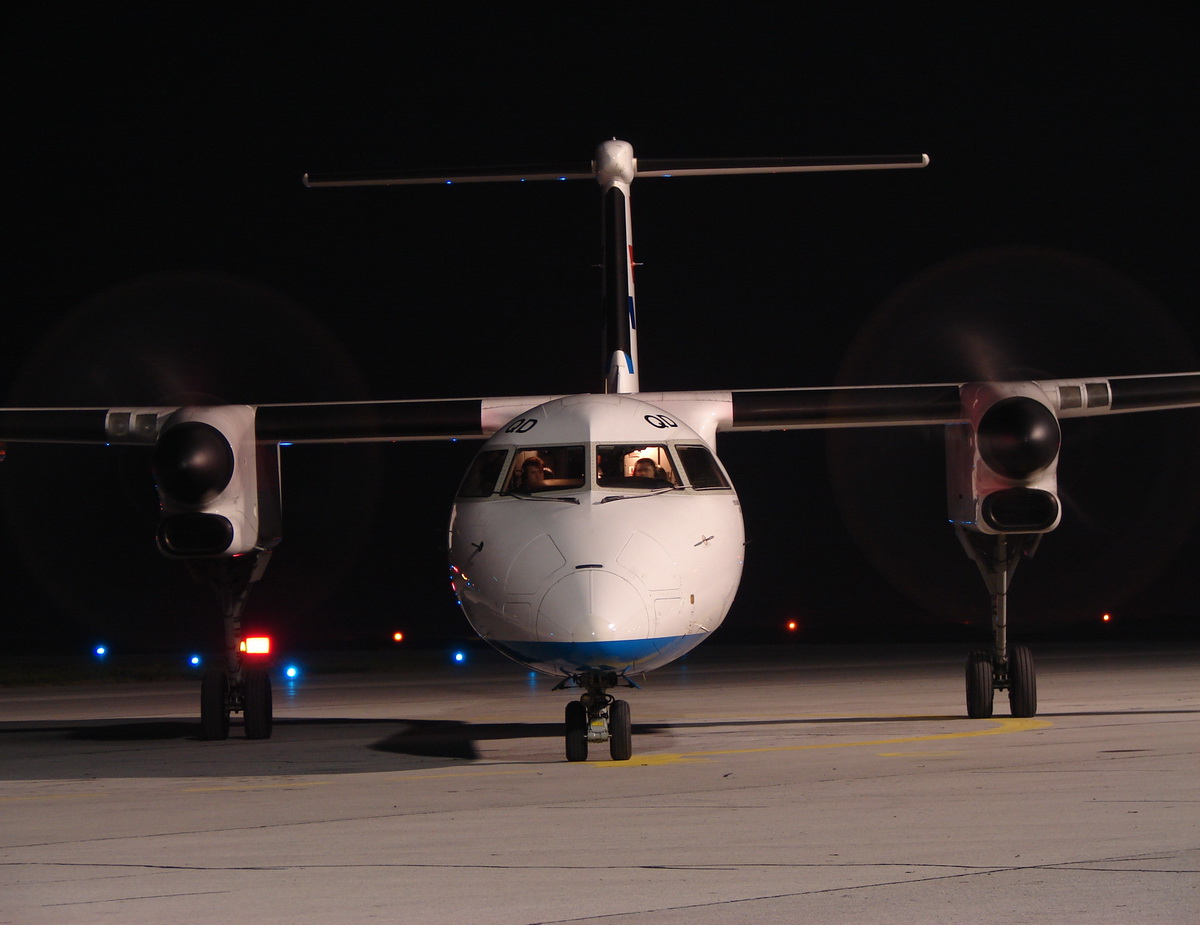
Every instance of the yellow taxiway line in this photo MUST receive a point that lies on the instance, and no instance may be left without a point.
(1003, 726)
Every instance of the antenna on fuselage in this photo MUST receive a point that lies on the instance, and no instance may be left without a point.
(614, 167)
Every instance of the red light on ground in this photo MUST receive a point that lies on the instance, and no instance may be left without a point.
(1107, 618)
(256, 645)
(792, 625)
(397, 636)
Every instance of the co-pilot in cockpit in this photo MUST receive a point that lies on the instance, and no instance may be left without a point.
(636, 466)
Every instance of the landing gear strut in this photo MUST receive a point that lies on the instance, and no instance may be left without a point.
(239, 687)
(597, 716)
(1000, 668)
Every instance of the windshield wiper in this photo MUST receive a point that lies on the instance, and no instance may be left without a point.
(647, 494)
(522, 496)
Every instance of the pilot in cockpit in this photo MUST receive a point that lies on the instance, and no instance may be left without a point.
(533, 474)
(644, 468)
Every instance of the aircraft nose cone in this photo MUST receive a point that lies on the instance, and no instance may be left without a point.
(593, 605)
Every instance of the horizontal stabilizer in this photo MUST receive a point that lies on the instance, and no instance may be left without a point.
(453, 175)
(646, 167)
(714, 166)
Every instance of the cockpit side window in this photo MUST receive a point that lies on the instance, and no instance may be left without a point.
(701, 468)
(627, 466)
(550, 468)
(480, 480)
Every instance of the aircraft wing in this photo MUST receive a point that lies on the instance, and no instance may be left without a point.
(895, 405)
(718, 411)
(328, 422)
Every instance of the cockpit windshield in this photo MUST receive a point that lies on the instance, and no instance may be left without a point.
(550, 468)
(703, 473)
(480, 480)
(622, 466)
(627, 466)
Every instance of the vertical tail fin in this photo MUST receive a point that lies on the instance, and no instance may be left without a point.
(615, 168)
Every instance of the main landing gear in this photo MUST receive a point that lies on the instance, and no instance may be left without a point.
(1000, 667)
(597, 716)
(244, 685)
(246, 691)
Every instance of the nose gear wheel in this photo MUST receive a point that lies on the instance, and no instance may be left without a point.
(598, 717)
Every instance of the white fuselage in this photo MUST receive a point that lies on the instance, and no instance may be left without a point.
(621, 552)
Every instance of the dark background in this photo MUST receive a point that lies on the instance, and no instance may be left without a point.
(161, 248)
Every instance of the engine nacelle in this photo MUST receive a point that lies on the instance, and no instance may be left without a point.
(218, 486)
(1002, 465)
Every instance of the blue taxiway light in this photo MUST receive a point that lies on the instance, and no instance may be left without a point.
(100, 651)
(194, 660)
(291, 672)
(460, 656)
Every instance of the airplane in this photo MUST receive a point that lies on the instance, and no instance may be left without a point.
(596, 537)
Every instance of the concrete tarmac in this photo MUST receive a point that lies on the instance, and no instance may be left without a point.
(782, 784)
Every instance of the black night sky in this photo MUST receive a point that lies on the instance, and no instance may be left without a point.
(161, 248)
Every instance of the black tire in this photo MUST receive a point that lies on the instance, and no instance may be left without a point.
(257, 704)
(577, 727)
(980, 690)
(214, 709)
(1022, 682)
(620, 731)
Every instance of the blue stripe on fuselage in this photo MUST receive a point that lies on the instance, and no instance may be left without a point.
(621, 655)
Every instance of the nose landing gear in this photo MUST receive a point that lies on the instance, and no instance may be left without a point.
(598, 717)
